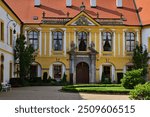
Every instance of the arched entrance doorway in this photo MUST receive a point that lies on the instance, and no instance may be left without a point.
(82, 73)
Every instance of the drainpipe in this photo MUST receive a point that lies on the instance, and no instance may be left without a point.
(140, 21)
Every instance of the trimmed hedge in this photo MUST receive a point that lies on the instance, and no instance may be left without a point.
(96, 85)
(141, 92)
(16, 82)
(97, 88)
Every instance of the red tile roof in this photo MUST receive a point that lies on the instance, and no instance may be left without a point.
(57, 8)
(143, 7)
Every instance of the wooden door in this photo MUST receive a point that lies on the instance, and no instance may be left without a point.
(82, 73)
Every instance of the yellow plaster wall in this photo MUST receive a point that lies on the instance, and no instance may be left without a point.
(119, 61)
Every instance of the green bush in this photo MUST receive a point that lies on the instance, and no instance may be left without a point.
(141, 92)
(35, 79)
(95, 88)
(16, 82)
(49, 79)
(132, 78)
(45, 77)
(64, 79)
(105, 80)
(0, 87)
(24, 82)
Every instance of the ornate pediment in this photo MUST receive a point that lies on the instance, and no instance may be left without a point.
(82, 21)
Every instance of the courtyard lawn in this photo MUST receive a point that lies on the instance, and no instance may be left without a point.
(97, 88)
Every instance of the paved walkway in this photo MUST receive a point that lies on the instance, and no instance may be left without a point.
(53, 93)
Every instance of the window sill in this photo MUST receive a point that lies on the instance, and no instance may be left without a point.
(58, 52)
(129, 53)
(107, 53)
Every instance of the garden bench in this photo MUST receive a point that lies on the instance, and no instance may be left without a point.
(5, 86)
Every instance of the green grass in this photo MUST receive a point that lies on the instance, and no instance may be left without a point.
(97, 88)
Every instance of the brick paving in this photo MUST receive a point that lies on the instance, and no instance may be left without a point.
(53, 93)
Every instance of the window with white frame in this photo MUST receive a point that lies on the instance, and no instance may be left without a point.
(107, 41)
(33, 39)
(1, 31)
(82, 40)
(130, 41)
(57, 40)
(57, 71)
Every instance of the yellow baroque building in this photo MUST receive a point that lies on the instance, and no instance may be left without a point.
(84, 39)
(83, 49)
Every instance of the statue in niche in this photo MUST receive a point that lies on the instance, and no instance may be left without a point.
(92, 44)
(82, 45)
(107, 46)
(73, 47)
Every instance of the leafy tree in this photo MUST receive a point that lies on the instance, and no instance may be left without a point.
(140, 59)
(24, 55)
(132, 78)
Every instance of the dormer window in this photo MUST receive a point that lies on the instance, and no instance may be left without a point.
(68, 3)
(119, 3)
(37, 3)
(93, 3)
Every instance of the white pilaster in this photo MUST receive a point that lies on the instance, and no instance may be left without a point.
(40, 43)
(75, 39)
(118, 43)
(50, 42)
(100, 72)
(65, 42)
(137, 36)
(95, 40)
(69, 40)
(45, 44)
(113, 73)
(89, 38)
(123, 43)
(114, 43)
(26, 35)
(39, 71)
(100, 42)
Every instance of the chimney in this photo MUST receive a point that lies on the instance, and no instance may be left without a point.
(119, 3)
(93, 3)
(37, 3)
(68, 3)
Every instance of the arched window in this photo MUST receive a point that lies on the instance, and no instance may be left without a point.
(33, 39)
(107, 41)
(57, 40)
(82, 41)
(130, 41)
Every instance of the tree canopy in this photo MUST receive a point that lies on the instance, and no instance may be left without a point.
(24, 56)
(140, 58)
